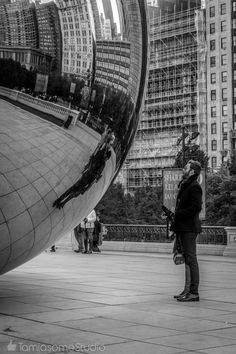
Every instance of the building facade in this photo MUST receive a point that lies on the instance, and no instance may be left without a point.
(176, 92)
(18, 24)
(77, 37)
(49, 32)
(31, 58)
(113, 64)
(221, 81)
(30, 33)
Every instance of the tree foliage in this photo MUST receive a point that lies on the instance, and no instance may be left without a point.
(12, 74)
(219, 200)
(191, 154)
(144, 207)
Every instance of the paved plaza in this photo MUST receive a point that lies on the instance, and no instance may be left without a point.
(116, 303)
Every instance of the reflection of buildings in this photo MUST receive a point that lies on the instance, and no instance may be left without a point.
(96, 18)
(31, 58)
(152, 2)
(77, 37)
(113, 64)
(176, 92)
(107, 32)
(18, 24)
(49, 31)
(31, 34)
(109, 23)
(221, 81)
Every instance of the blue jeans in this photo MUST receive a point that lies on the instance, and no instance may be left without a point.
(189, 247)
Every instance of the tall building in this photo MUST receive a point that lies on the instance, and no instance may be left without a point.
(18, 24)
(221, 81)
(176, 92)
(77, 37)
(49, 31)
(109, 71)
(109, 18)
(96, 18)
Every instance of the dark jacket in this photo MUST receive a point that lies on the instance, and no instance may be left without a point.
(188, 207)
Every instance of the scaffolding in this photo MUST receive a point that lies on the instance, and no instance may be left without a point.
(175, 95)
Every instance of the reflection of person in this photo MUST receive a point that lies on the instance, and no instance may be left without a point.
(87, 226)
(187, 225)
(107, 139)
(78, 232)
(91, 174)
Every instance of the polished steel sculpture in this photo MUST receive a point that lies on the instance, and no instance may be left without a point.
(52, 176)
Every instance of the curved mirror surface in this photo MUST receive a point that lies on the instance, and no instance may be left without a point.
(54, 171)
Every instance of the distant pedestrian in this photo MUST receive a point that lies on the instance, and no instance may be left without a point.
(186, 226)
(53, 248)
(97, 235)
(87, 226)
(78, 233)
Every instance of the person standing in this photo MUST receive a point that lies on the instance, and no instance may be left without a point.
(78, 233)
(87, 226)
(97, 235)
(187, 226)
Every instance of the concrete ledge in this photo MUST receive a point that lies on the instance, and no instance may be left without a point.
(230, 249)
(68, 242)
(152, 247)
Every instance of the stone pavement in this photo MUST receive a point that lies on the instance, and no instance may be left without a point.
(116, 303)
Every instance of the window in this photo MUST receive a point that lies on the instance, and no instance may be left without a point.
(223, 43)
(223, 9)
(235, 75)
(214, 162)
(224, 110)
(224, 94)
(225, 145)
(212, 28)
(234, 40)
(223, 59)
(234, 92)
(224, 127)
(234, 58)
(212, 62)
(212, 11)
(223, 26)
(224, 76)
(212, 44)
(234, 6)
(213, 111)
(213, 95)
(214, 145)
(234, 23)
(213, 128)
(213, 78)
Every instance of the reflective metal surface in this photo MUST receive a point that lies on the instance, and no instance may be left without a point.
(54, 176)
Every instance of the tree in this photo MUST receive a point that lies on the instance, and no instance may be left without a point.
(144, 207)
(148, 202)
(219, 200)
(191, 154)
(112, 204)
(12, 74)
